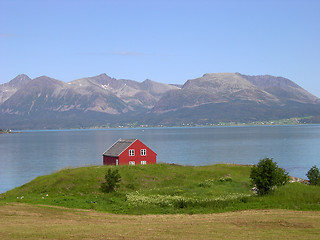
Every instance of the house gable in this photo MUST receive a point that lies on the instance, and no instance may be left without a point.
(147, 157)
(129, 152)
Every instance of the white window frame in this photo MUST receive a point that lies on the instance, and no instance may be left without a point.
(131, 152)
(132, 163)
(143, 152)
(143, 162)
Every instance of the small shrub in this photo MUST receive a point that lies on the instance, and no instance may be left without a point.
(314, 176)
(181, 203)
(266, 175)
(113, 179)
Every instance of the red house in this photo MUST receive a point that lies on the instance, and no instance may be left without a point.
(129, 152)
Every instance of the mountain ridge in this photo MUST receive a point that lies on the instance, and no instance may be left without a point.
(211, 98)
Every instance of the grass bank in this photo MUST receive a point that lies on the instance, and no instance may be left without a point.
(161, 189)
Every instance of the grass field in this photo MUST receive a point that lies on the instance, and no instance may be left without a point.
(21, 221)
(161, 189)
(158, 202)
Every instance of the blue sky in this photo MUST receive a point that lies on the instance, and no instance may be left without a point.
(166, 41)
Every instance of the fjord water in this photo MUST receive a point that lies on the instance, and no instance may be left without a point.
(26, 155)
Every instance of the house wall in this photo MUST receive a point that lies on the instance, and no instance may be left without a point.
(109, 160)
(150, 158)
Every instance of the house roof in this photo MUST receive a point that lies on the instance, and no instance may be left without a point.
(118, 147)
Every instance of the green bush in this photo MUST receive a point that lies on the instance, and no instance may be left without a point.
(113, 179)
(314, 176)
(266, 175)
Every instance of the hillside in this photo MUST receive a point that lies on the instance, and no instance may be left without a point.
(105, 101)
(234, 97)
(213, 88)
(281, 88)
(161, 189)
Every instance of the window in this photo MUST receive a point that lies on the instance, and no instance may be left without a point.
(132, 163)
(131, 152)
(143, 152)
(143, 162)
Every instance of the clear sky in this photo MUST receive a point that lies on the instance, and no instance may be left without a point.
(167, 41)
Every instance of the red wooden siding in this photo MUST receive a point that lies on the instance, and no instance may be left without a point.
(150, 157)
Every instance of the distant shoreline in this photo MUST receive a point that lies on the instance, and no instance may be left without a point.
(7, 131)
(163, 127)
(282, 122)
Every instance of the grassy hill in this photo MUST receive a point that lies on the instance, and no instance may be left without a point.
(161, 189)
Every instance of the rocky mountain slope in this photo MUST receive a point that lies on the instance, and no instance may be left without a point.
(100, 94)
(281, 88)
(8, 89)
(228, 87)
(101, 100)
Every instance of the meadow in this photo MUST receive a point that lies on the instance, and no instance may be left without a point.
(25, 221)
(161, 189)
(159, 201)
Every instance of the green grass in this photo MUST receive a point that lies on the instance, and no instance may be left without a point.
(161, 188)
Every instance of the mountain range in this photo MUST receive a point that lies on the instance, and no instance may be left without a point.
(45, 102)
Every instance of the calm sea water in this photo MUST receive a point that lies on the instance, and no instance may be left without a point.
(26, 155)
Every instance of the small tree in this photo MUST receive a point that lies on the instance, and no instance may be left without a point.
(314, 176)
(266, 175)
(112, 181)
